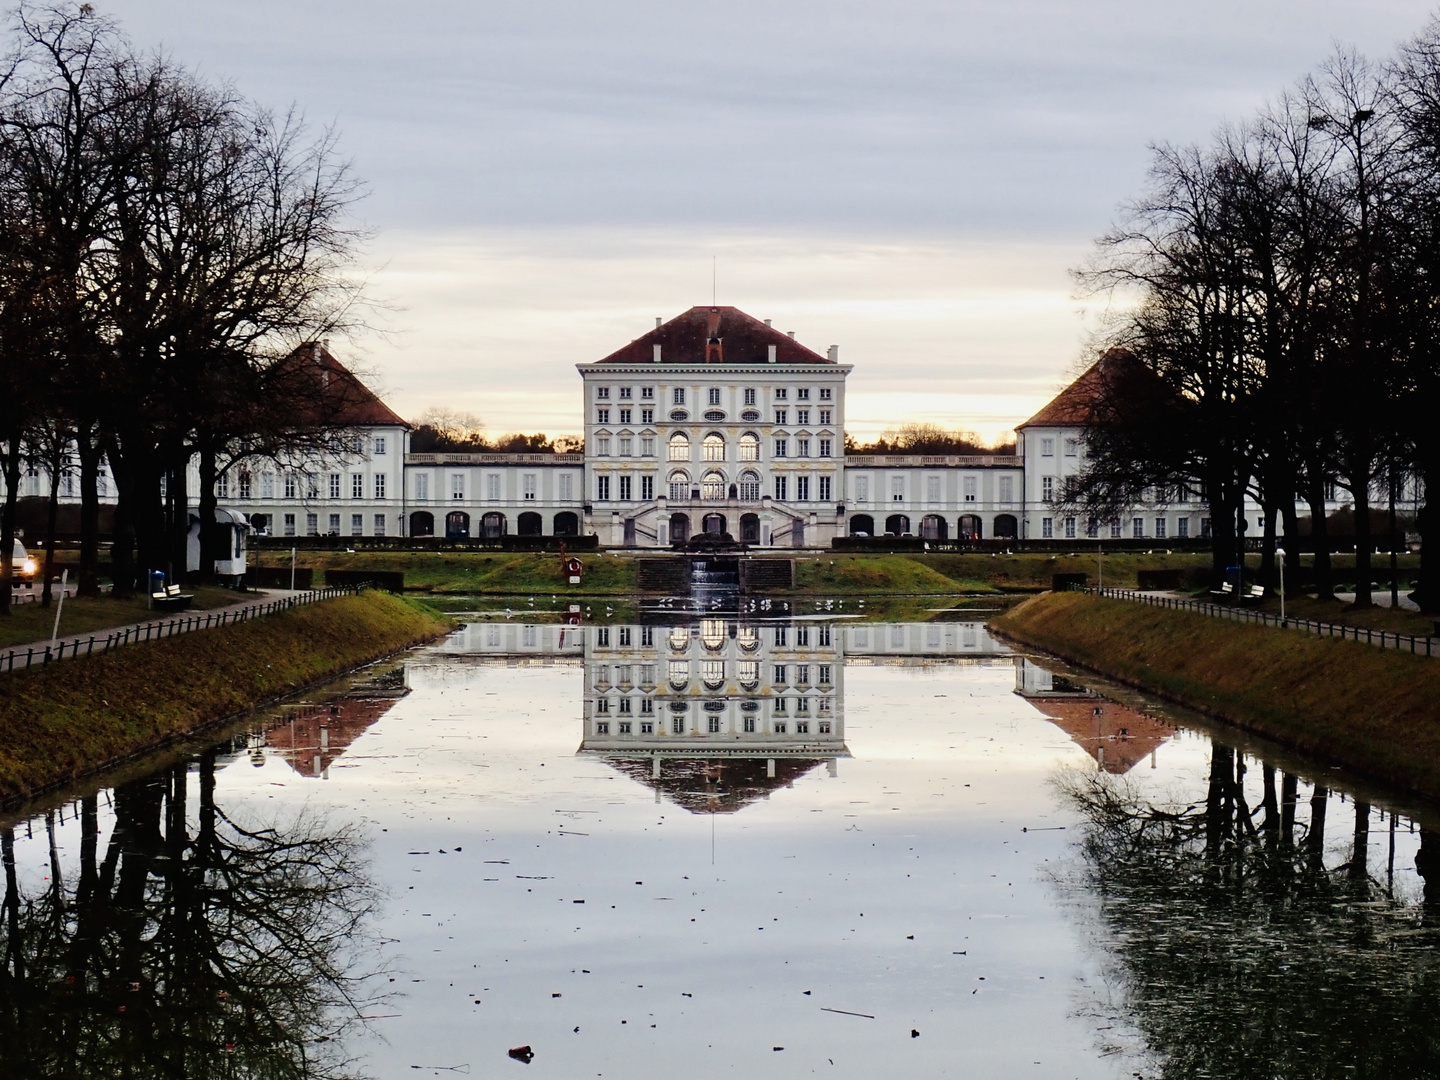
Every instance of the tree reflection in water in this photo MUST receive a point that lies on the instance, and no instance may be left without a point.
(1237, 952)
(194, 948)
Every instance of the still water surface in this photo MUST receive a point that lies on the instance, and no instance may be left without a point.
(766, 847)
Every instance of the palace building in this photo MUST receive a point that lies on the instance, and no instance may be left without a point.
(713, 422)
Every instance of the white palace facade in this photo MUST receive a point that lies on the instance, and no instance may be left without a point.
(711, 422)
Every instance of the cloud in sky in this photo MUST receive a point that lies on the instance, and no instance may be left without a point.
(908, 180)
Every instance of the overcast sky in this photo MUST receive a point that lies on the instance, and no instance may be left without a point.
(909, 180)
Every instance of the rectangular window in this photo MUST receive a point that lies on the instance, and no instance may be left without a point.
(749, 725)
(825, 416)
(802, 727)
(781, 706)
(602, 637)
(567, 488)
(1007, 489)
(380, 445)
(1182, 527)
(625, 419)
(802, 447)
(802, 416)
(802, 488)
(244, 485)
(289, 524)
(625, 727)
(602, 415)
(332, 485)
(647, 487)
(492, 487)
(379, 524)
(647, 416)
(825, 485)
(357, 486)
(781, 448)
(1069, 528)
(780, 393)
(1205, 528)
(779, 673)
(897, 489)
(825, 393)
(802, 671)
(780, 416)
(222, 486)
(824, 679)
(677, 725)
(932, 488)
(267, 485)
(1047, 447)
(625, 393)
(713, 395)
(971, 488)
(862, 489)
(422, 487)
(782, 634)
(647, 393)
(1115, 528)
(334, 525)
(625, 488)
(803, 394)
(1092, 528)
(824, 636)
(1160, 528)
(357, 524)
(782, 488)
(1047, 528)
(602, 727)
(602, 446)
(1047, 489)
(712, 725)
(602, 488)
(380, 485)
(312, 525)
(647, 446)
(1072, 447)
(625, 706)
(749, 395)
(289, 485)
(677, 396)
(1138, 528)
(527, 486)
(627, 445)
(602, 393)
(647, 727)
(825, 447)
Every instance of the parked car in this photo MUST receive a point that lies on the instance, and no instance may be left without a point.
(22, 567)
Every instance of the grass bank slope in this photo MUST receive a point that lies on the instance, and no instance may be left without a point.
(68, 719)
(877, 575)
(474, 573)
(1377, 711)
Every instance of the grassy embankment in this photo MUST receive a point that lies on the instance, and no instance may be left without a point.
(1376, 711)
(84, 614)
(68, 719)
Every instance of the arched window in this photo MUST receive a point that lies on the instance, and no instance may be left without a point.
(749, 487)
(712, 486)
(679, 447)
(713, 447)
(749, 447)
(679, 486)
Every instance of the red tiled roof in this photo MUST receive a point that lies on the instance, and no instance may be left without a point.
(1116, 372)
(329, 392)
(715, 335)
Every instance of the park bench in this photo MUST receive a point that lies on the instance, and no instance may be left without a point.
(170, 598)
(1225, 589)
(1255, 593)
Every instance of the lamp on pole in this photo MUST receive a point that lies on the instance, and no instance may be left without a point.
(1280, 556)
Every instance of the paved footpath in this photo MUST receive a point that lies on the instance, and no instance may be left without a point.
(270, 602)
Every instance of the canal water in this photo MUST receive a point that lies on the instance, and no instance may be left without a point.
(732, 846)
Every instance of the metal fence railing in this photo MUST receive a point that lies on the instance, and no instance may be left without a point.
(70, 649)
(1420, 645)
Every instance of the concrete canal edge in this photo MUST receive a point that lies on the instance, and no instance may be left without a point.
(64, 721)
(1375, 711)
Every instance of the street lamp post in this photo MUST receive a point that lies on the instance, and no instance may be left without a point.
(1280, 555)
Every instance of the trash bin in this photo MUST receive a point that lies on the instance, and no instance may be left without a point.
(157, 581)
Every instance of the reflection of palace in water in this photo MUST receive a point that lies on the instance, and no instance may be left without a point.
(1117, 737)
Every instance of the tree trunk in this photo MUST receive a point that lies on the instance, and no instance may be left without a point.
(1363, 543)
(1320, 537)
(1289, 791)
(209, 528)
(52, 518)
(89, 449)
